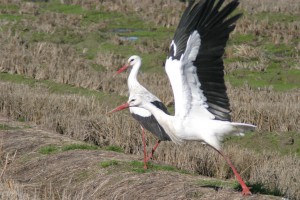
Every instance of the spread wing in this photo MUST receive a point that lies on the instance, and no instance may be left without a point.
(195, 65)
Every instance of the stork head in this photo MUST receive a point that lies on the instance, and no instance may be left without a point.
(134, 101)
(132, 61)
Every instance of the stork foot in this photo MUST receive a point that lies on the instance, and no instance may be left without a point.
(145, 166)
(246, 191)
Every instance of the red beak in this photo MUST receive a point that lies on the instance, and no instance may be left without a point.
(121, 107)
(122, 69)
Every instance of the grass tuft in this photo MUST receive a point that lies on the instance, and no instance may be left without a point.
(49, 149)
(6, 127)
(109, 163)
(79, 146)
(114, 148)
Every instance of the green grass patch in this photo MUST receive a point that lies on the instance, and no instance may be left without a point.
(6, 127)
(93, 16)
(15, 78)
(49, 149)
(54, 149)
(138, 167)
(277, 17)
(109, 46)
(79, 146)
(285, 143)
(213, 183)
(276, 77)
(242, 38)
(259, 188)
(279, 50)
(57, 7)
(109, 163)
(11, 17)
(62, 35)
(60, 88)
(9, 7)
(114, 148)
(21, 119)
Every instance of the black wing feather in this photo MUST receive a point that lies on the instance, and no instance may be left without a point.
(214, 26)
(151, 124)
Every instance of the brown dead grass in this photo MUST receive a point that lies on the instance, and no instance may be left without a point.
(278, 32)
(283, 6)
(246, 54)
(78, 174)
(84, 118)
(268, 110)
(61, 63)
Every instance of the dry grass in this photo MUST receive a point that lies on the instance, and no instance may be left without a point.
(246, 54)
(269, 110)
(278, 32)
(61, 64)
(84, 118)
(80, 174)
(283, 6)
(12, 190)
(9, 189)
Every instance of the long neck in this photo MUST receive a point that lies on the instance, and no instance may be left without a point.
(165, 120)
(132, 79)
(161, 117)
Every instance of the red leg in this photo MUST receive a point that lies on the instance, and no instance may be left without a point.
(145, 151)
(246, 190)
(153, 150)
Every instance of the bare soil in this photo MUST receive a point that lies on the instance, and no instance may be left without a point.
(78, 174)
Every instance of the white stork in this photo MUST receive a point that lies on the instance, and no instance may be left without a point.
(196, 71)
(143, 116)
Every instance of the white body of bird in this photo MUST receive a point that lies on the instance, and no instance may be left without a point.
(192, 127)
(196, 72)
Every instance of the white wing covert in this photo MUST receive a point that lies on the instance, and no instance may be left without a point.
(195, 65)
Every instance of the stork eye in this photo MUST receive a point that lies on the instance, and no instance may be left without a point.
(132, 60)
(132, 100)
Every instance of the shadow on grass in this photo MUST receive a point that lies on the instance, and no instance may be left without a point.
(216, 184)
(259, 188)
(255, 188)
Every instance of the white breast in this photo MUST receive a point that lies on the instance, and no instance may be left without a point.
(140, 111)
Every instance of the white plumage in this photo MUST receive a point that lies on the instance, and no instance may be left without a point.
(196, 73)
(143, 116)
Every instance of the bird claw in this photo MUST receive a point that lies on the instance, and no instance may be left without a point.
(246, 192)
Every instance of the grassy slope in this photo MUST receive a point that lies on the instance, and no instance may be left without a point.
(279, 73)
(89, 164)
(281, 70)
(281, 66)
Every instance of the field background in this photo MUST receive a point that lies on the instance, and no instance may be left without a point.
(57, 71)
